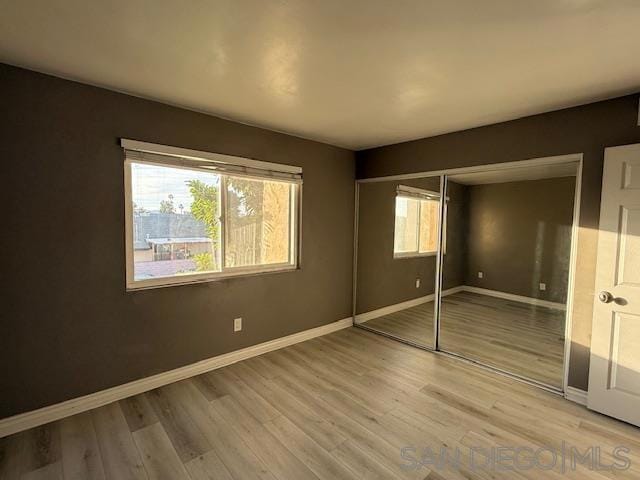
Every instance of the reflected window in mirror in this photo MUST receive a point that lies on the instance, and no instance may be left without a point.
(416, 222)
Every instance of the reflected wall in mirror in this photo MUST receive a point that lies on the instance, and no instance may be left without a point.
(505, 270)
(397, 245)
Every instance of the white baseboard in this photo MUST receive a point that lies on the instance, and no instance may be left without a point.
(24, 421)
(576, 395)
(515, 298)
(396, 307)
(452, 290)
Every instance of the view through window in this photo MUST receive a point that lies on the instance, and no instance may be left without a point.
(188, 222)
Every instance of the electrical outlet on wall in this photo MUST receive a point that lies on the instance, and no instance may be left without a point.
(480, 274)
(237, 324)
(543, 286)
(417, 283)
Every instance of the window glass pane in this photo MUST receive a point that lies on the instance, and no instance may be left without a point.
(428, 225)
(176, 227)
(257, 222)
(406, 228)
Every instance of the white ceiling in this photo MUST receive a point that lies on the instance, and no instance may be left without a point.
(355, 73)
(517, 174)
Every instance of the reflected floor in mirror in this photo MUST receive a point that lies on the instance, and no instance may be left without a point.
(520, 338)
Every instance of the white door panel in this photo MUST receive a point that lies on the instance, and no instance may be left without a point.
(614, 378)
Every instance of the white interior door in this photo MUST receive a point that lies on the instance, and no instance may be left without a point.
(614, 379)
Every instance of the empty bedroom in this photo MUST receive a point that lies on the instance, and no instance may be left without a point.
(288, 239)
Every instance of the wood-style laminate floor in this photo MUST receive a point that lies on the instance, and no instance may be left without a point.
(517, 337)
(341, 406)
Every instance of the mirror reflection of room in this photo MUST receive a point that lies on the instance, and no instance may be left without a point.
(505, 271)
(397, 253)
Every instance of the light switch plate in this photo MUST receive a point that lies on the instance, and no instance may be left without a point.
(480, 274)
(237, 324)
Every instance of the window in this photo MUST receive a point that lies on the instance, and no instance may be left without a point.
(196, 216)
(416, 222)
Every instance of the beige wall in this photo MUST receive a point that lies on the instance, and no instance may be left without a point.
(143, 255)
(587, 129)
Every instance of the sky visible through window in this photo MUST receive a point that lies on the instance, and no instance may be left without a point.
(151, 184)
(401, 206)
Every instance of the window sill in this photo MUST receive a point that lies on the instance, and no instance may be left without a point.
(238, 272)
(400, 256)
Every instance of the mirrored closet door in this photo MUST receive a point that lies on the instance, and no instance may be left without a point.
(474, 264)
(397, 250)
(505, 269)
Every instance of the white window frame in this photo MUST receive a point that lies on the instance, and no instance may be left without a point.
(225, 166)
(420, 194)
